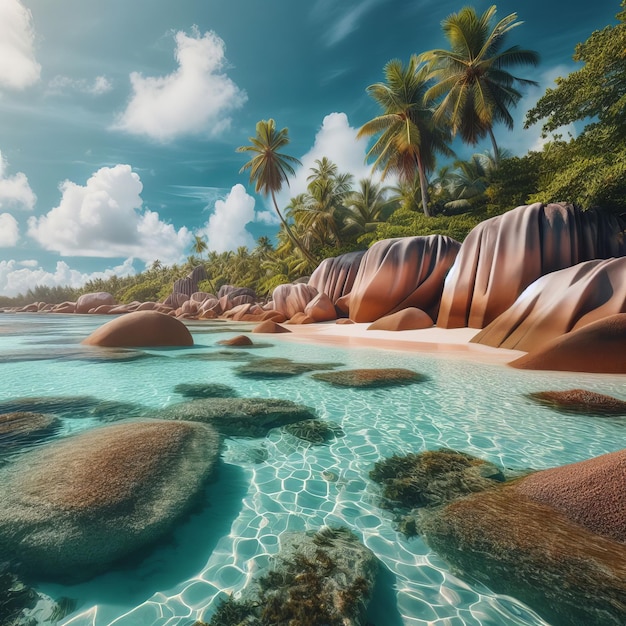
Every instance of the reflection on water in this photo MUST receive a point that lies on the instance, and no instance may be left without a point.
(279, 483)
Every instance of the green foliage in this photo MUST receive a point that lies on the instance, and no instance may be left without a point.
(145, 291)
(515, 180)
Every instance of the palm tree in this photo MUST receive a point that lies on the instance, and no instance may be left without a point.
(366, 207)
(473, 85)
(269, 168)
(408, 139)
(199, 245)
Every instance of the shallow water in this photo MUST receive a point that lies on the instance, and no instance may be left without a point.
(279, 484)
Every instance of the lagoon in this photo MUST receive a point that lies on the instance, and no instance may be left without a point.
(274, 485)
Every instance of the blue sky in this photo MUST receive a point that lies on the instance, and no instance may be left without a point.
(119, 120)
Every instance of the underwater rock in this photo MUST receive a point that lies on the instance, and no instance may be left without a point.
(15, 598)
(325, 577)
(314, 431)
(239, 417)
(238, 341)
(143, 328)
(407, 319)
(599, 347)
(559, 303)
(220, 355)
(270, 326)
(369, 378)
(505, 254)
(93, 300)
(74, 507)
(530, 551)
(23, 426)
(580, 401)
(205, 390)
(279, 368)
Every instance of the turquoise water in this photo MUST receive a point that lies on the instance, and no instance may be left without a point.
(279, 484)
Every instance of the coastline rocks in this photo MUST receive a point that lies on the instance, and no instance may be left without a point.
(239, 417)
(407, 319)
(335, 276)
(558, 303)
(270, 326)
(395, 274)
(370, 378)
(93, 300)
(599, 347)
(141, 329)
(580, 401)
(74, 507)
(279, 368)
(237, 342)
(292, 298)
(503, 255)
(321, 309)
(183, 288)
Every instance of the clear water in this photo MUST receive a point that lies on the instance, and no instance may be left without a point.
(476, 408)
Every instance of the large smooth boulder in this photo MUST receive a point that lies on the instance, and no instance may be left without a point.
(335, 276)
(598, 347)
(89, 301)
(74, 507)
(141, 328)
(292, 298)
(321, 309)
(558, 303)
(503, 255)
(396, 274)
(407, 319)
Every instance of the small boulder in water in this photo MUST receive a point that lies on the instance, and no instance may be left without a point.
(368, 378)
(580, 401)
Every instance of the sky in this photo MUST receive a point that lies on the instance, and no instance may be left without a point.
(119, 121)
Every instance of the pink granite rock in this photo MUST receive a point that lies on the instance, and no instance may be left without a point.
(292, 298)
(92, 300)
(269, 326)
(399, 273)
(558, 303)
(407, 319)
(335, 276)
(591, 493)
(65, 307)
(505, 254)
(321, 309)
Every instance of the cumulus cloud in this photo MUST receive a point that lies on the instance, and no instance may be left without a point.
(226, 228)
(15, 191)
(9, 231)
(97, 87)
(18, 66)
(19, 276)
(106, 218)
(198, 97)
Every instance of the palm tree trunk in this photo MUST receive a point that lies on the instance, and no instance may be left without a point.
(423, 185)
(496, 157)
(295, 242)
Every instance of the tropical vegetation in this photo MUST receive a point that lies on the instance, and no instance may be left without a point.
(464, 91)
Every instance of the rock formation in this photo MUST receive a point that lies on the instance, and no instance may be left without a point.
(321, 309)
(184, 287)
(395, 274)
(144, 328)
(73, 507)
(89, 301)
(580, 401)
(505, 254)
(335, 276)
(292, 298)
(370, 378)
(558, 303)
(407, 319)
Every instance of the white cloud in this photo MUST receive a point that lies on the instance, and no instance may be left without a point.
(18, 66)
(341, 25)
(14, 190)
(16, 279)
(99, 86)
(226, 228)
(105, 218)
(9, 231)
(197, 97)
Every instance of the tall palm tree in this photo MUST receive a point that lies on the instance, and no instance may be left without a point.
(366, 206)
(408, 138)
(473, 85)
(199, 245)
(269, 168)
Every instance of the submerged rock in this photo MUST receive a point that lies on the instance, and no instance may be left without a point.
(22, 426)
(141, 329)
(239, 417)
(205, 390)
(580, 401)
(237, 342)
(270, 326)
(280, 368)
(314, 431)
(367, 378)
(324, 577)
(74, 507)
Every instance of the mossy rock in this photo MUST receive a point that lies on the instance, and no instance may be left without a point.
(220, 355)
(432, 478)
(580, 401)
(280, 368)
(530, 551)
(239, 417)
(205, 390)
(371, 378)
(23, 427)
(314, 431)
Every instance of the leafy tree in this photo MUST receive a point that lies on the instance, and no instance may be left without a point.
(270, 168)
(365, 207)
(473, 86)
(407, 136)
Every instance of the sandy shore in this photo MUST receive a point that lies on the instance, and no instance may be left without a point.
(437, 341)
